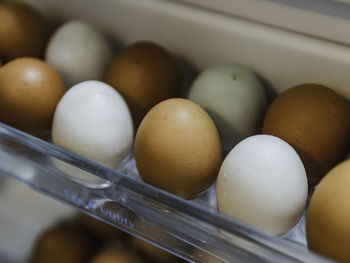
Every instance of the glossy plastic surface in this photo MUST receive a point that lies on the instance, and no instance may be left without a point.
(189, 229)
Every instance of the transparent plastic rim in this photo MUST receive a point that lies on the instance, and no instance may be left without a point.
(235, 227)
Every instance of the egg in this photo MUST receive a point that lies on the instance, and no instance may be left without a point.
(177, 148)
(63, 244)
(328, 215)
(155, 253)
(145, 74)
(93, 120)
(78, 52)
(262, 182)
(315, 120)
(30, 90)
(234, 98)
(117, 255)
(23, 31)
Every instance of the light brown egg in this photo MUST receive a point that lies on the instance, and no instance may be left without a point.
(23, 31)
(117, 255)
(63, 244)
(30, 89)
(177, 148)
(155, 253)
(315, 120)
(99, 228)
(328, 215)
(144, 73)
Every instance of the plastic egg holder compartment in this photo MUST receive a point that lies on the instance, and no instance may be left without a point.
(187, 228)
(207, 199)
(85, 178)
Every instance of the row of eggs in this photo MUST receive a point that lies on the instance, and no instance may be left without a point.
(178, 146)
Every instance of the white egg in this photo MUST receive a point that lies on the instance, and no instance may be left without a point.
(93, 120)
(78, 52)
(262, 182)
(235, 99)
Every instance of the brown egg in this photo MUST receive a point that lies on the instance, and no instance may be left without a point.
(99, 228)
(145, 74)
(63, 244)
(315, 120)
(328, 215)
(155, 253)
(117, 255)
(177, 148)
(23, 31)
(30, 89)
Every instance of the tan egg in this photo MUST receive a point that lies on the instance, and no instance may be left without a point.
(177, 148)
(63, 244)
(155, 253)
(117, 255)
(99, 228)
(30, 89)
(144, 73)
(315, 120)
(328, 215)
(23, 31)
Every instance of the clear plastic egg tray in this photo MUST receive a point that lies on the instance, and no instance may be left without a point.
(199, 37)
(193, 230)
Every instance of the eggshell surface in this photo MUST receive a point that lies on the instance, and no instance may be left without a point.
(315, 120)
(93, 120)
(145, 74)
(328, 215)
(262, 182)
(177, 148)
(78, 52)
(23, 31)
(30, 90)
(234, 98)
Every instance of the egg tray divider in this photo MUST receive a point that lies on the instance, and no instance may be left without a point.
(182, 227)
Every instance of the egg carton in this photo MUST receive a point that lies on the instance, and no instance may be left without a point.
(192, 230)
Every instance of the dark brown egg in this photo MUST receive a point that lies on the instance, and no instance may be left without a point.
(30, 89)
(23, 31)
(63, 244)
(145, 74)
(315, 120)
